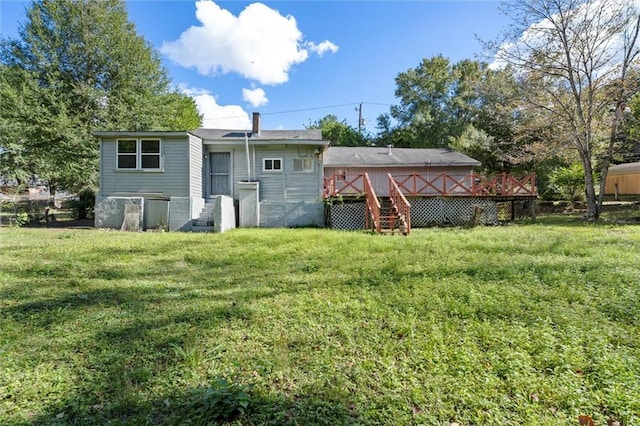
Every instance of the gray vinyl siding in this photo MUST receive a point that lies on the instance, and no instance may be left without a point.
(195, 166)
(284, 185)
(239, 169)
(272, 183)
(171, 181)
(303, 186)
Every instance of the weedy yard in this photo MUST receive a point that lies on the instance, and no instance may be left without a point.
(528, 324)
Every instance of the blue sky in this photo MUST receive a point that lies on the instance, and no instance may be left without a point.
(297, 61)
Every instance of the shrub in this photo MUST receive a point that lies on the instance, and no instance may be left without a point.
(22, 219)
(569, 181)
(224, 401)
(82, 207)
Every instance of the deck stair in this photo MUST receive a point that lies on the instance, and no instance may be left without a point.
(204, 222)
(386, 214)
(389, 217)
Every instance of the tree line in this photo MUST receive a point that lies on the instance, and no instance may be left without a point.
(561, 97)
(562, 92)
(78, 67)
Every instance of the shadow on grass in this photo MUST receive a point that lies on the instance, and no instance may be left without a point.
(188, 407)
(132, 303)
(127, 351)
(118, 360)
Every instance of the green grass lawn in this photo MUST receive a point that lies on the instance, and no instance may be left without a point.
(525, 324)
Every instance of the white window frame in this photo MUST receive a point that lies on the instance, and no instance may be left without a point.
(303, 160)
(139, 154)
(272, 169)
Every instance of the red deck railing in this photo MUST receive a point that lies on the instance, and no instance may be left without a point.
(505, 185)
(400, 204)
(443, 184)
(372, 213)
(341, 184)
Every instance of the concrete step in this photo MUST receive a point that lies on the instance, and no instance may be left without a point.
(202, 222)
(205, 218)
(198, 228)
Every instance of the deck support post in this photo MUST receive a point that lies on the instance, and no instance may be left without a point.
(476, 215)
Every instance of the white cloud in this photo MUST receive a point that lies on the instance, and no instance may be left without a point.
(259, 43)
(255, 97)
(322, 48)
(192, 91)
(216, 116)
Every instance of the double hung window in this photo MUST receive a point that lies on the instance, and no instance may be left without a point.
(139, 154)
(272, 164)
(302, 165)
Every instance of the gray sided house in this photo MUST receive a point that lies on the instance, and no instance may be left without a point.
(392, 189)
(210, 179)
(378, 162)
(431, 179)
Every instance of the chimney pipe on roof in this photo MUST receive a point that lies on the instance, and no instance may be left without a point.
(256, 124)
(389, 149)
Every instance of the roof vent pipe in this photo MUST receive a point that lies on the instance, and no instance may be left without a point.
(256, 124)
(389, 149)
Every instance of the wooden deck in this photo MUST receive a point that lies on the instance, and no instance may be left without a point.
(392, 211)
(504, 186)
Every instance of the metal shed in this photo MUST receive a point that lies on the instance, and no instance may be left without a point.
(623, 179)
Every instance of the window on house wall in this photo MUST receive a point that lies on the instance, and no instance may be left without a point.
(127, 156)
(139, 154)
(150, 154)
(272, 164)
(302, 165)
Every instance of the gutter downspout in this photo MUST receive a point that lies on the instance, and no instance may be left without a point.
(246, 147)
(253, 153)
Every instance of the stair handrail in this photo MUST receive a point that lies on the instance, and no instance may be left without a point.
(401, 204)
(328, 187)
(372, 205)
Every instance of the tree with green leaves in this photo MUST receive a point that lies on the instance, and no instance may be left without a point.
(427, 105)
(339, 133)
(79, 66)
(629, 149)
(577, 57)
(466, 106)
(569, 181)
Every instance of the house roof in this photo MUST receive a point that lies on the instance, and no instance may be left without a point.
(337, 156)
(625, 168)
(133, 134)
(302, 137)
(234, 137)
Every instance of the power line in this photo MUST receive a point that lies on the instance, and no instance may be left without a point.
(310, 109)
(376, 103)
(359, 104)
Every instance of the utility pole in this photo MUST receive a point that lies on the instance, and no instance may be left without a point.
(360, 121)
